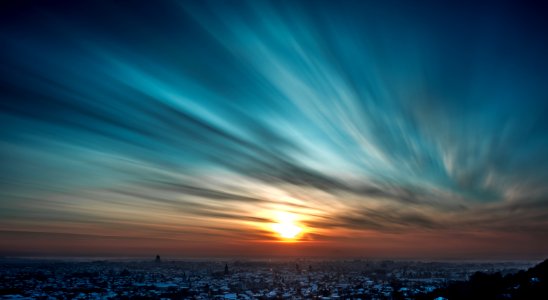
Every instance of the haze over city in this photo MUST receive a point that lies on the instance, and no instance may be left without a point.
(332, 129)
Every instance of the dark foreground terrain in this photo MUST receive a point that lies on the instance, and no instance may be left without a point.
(530, 284)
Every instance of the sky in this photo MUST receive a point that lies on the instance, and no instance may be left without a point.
(379, 129)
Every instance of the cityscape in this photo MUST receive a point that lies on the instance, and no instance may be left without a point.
(239, 279)
(274, 149)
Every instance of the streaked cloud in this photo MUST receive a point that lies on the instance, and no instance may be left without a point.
(195, 122)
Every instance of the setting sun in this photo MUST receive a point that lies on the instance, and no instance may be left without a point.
(286, 226)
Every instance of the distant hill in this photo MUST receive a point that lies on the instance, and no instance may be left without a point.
(531, 284)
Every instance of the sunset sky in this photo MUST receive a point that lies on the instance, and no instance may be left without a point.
(274, 129)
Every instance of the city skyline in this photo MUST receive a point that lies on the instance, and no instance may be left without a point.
(268, 129)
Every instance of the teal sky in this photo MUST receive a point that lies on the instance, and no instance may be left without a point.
(386, 130)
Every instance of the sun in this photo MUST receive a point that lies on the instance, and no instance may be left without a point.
(288, 231)
(286, 226)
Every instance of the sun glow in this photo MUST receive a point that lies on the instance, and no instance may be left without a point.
(286, 226)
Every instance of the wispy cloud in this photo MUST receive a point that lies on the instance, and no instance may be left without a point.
(197, 121)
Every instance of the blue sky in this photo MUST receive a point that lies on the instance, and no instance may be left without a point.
(192, 122)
